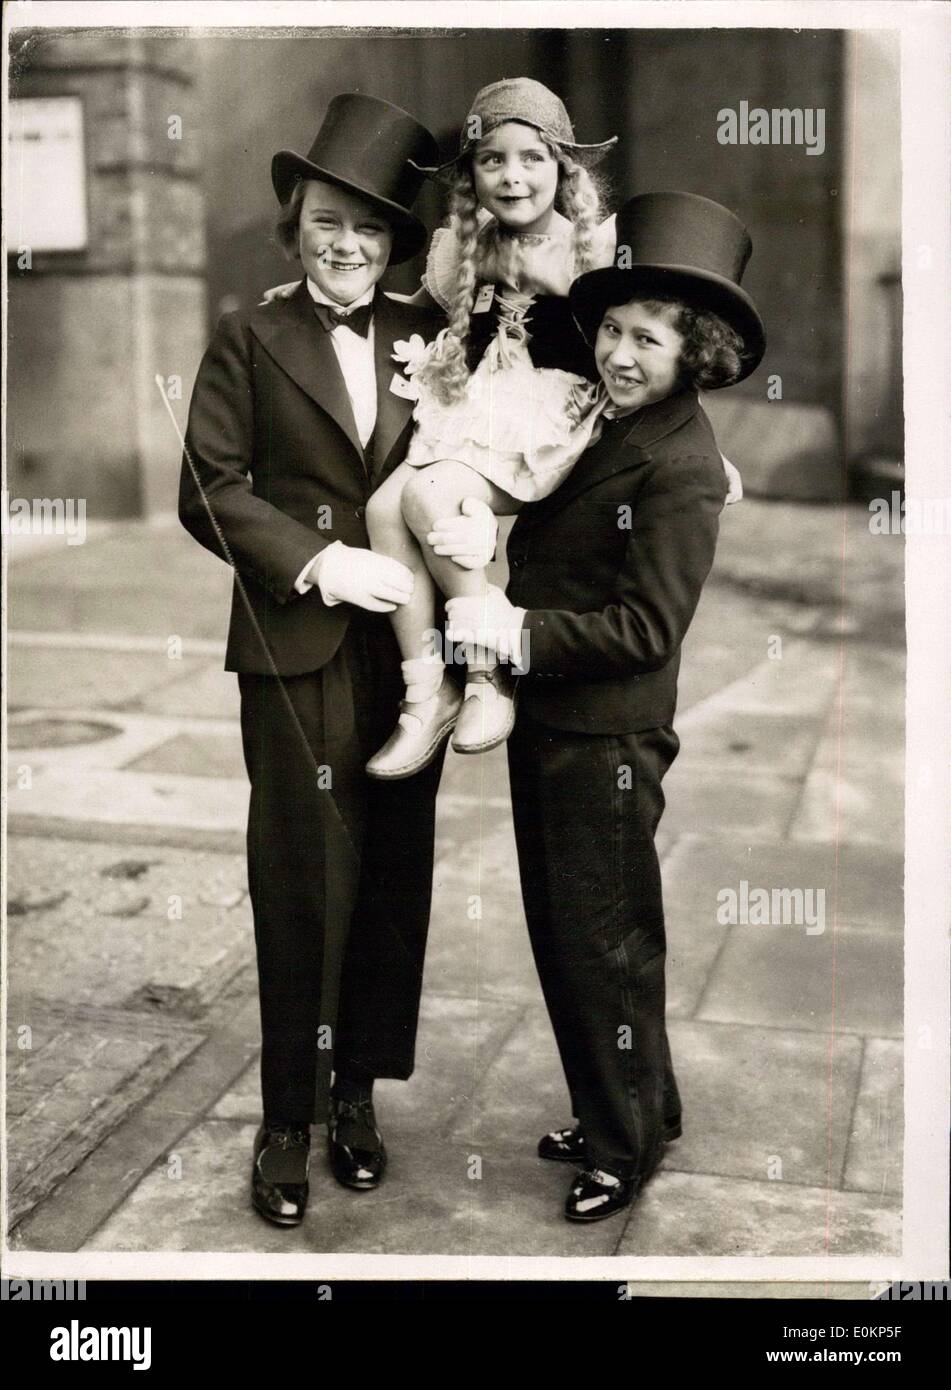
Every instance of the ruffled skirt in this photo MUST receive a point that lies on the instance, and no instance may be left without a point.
(520, 426)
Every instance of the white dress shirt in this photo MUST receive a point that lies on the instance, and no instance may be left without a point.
(355, 356)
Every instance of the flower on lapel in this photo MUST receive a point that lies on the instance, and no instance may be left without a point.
(411, 353)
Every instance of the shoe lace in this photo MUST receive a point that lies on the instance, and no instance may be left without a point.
(602, 1178)
(287, 1137)
(354, 1109)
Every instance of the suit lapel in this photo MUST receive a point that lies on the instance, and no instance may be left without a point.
(293, 336)
(392, 412)
(616, 450)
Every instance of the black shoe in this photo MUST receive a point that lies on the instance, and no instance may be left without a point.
(355, 1145)
(563, 1145)
(567, 1145)
(595, 1195)
(279, 1187)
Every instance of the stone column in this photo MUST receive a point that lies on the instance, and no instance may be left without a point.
(873, 375)
(90, 328)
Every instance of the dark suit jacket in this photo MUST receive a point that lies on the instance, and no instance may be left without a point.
(609, 603)
(272, 435)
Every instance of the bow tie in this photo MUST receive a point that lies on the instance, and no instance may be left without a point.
(357, 319)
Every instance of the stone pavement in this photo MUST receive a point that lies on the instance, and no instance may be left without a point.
(132, 1011)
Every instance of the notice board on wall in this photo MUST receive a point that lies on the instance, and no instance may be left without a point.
(46, 183)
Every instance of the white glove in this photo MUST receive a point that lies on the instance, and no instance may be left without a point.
(488, 620)
(735, 493)
(470, 539)
(347, 574)
(280, 292)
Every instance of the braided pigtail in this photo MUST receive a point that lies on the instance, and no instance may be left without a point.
(581, 204)
(447, 372)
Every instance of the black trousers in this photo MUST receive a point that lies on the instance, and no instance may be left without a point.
(586, 809)
(340, 893)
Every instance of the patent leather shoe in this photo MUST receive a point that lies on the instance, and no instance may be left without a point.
(595, 1195)
(355, 1145)
(279, 1186)
(567, 1145)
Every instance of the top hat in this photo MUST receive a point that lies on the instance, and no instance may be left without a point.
(371, 148)
(525, 100)
(681, 245)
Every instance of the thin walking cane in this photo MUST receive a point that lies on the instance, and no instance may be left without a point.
(334, 826)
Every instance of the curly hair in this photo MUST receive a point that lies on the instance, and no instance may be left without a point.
(578, 197)
(712, 354)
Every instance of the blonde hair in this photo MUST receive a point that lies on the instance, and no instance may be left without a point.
(447, 373)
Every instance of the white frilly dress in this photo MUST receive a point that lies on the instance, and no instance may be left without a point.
(523, 427)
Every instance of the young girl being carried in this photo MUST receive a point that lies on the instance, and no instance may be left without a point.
(505, 404)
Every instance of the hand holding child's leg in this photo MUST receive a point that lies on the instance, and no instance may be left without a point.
(488, 711)
(431, 702)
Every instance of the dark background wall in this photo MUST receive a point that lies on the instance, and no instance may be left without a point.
(182, 229)
(659, 91)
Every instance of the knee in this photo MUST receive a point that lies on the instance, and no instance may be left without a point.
(432, 492)
(383, 516)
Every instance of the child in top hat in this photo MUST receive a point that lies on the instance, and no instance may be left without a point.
(602, 608)
(291, 422)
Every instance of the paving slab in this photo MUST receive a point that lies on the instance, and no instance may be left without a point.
(50, 678)
(862, 803)
(850, 980)
(693, 944)
(874, 679)
(476, 871)
(427, 1205)
(80, 738)
(110, 798)
(695, 1214)
(800, 682)
(816, 555)
(863, 884)
(140, 578)
(195, 755)
(146, 1137)
(211, 692)
(90, 923)
(522, 1093)
(758, 1101)
(875, 1154)
(725, 637)
(783, 743)
(84, 1071)
(751, 802)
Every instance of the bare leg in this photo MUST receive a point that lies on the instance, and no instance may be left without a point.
(488, 711)
(430, 707)
(414, 622)
(439, 491)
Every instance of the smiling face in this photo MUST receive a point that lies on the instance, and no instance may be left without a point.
(637, 352)
(344, 243)
(516, 177)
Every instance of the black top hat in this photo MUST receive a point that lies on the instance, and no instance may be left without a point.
(364, 145)
(681, 245)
